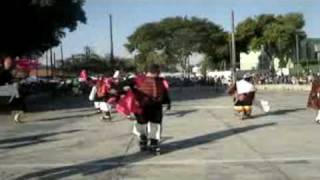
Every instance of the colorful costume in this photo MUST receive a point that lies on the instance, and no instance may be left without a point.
(314, 98)
(150, 94)
(105, 97)
(83, 76)
(244, 93)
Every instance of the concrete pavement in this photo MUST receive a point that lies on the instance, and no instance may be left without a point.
(202, 139)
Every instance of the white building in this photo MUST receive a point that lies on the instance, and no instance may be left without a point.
(250, 61)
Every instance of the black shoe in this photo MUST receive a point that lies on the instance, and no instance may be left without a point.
(154, 146)
(106, 118)
(143, 143)
(242, 116)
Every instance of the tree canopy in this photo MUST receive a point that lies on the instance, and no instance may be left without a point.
(274, 35)
(33, 26)
(173, 40)
(95, 63)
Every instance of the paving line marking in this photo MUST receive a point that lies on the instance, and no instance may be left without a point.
(204, 106)
(175, 162)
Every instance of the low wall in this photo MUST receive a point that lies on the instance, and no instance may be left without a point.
(284, 87)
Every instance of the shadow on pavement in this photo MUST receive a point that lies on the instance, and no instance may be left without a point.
(181, 113)
(89, 109)
(193, 93)
(165, 138)
(31, 140)
(99, 166)
(278, 112)
(44, 103)
(66, 117)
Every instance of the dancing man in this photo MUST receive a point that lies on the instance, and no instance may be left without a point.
(151, 91)
(314, 98)
(243, 92)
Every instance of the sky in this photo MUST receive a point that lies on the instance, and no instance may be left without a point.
(130, 14)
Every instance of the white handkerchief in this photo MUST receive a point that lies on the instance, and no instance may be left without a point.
(265, 105)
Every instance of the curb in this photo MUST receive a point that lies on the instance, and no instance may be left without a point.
(284, 87)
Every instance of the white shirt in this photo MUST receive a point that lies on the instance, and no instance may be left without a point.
(244, 87)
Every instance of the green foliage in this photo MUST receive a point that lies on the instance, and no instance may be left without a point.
(274, 34)
(30, 27)
(94, 63)
(173, 40)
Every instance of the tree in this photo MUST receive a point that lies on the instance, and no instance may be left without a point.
(89, 53)
(88, 60)
(275, 35)
(173, 40)
(95, 63)
(30, 27)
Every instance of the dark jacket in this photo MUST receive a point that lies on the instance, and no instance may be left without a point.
(5, 77)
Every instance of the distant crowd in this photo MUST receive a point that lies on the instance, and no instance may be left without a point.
(283, 79)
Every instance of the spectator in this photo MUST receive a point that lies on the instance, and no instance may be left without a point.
(5, 73)
(17, 104)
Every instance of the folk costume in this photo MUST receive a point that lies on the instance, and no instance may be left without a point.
(105, 97)
(244, 93)
(314, 98)
(152, 93)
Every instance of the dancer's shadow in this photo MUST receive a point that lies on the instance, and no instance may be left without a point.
(81, 110)
(31, 140)
(278, 112)
(66, 117)
(181, 113)
(43, 103)
(98, 166)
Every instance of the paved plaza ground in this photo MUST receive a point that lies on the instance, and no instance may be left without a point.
(202, 139)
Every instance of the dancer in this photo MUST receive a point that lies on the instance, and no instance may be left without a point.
(10, 88)
(151, 92)
(314, 98)
(244, 93)
(105, 96)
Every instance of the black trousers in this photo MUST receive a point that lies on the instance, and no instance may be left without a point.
(18, 104)
(151, 113)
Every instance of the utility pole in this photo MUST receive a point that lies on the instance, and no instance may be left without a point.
(317, 50)
(297, 49)
(54, 62)
(37, 67)
(61, 53)
(47, 62)
(233, 54)
(111, 42)
(62, 61)
(51, 63)
(230, 50)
